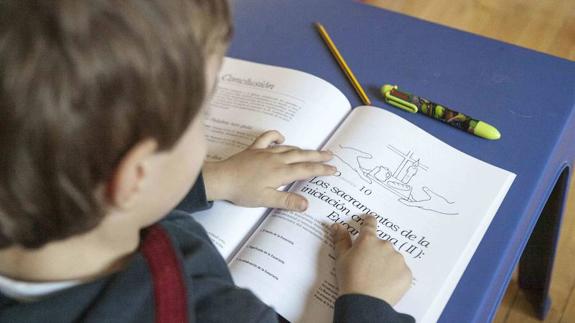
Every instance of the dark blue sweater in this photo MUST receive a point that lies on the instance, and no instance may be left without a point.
(127, 296)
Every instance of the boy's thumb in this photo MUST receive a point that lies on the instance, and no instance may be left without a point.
(284, 200)
(341, 239)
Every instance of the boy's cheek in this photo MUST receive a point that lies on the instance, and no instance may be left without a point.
(196, 148)
(194, 153)
(177, 171)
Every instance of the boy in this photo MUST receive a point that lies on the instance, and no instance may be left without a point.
(101, 136)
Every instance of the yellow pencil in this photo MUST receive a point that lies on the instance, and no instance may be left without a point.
(325, 36)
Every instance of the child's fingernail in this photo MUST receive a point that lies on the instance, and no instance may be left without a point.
(329, 153)
(333, 169)
(302, 205)
(334, 228)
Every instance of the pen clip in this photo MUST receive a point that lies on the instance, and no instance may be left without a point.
(389, 90)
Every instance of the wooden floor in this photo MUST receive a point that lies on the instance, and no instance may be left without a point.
(544, 25)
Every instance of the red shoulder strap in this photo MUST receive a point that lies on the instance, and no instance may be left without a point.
(169, 288)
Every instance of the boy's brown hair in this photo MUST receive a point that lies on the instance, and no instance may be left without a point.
(81, 82)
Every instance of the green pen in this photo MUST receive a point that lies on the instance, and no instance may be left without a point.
(414, 104)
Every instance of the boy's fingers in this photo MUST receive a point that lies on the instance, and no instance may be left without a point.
(299, 155)
(267, 138)
(302, 171)
(369, 226)
(282, 148)
(284, 200)
(341, 239)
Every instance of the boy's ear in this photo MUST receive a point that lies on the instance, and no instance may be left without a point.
(128, 176)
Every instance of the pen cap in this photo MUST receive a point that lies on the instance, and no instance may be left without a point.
(388, 92)
(387, 88)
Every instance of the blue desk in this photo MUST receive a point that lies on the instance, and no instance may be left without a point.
(528, 96)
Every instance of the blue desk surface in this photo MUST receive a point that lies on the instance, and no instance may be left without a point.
(528, 96)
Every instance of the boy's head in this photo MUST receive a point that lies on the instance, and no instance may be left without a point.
(94, 94)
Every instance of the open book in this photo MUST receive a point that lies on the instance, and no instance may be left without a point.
(432, 202)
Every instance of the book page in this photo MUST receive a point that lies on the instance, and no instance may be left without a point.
(432, 203)
(250, 99)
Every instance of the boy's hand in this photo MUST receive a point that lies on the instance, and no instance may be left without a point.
(369, 266)
(251, 177)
